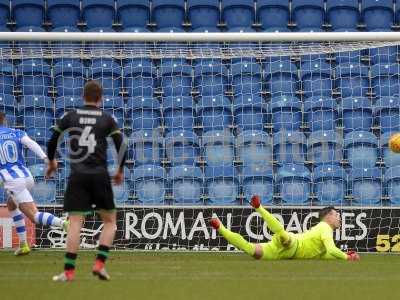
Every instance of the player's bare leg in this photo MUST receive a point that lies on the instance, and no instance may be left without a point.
(255, 250)
(106, 239)
(73, 241)
(19, 223)
(272, 223)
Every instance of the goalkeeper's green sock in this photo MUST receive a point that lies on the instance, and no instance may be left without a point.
(237, 240)
(273, 224)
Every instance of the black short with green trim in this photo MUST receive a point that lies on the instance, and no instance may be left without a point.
(88, 192)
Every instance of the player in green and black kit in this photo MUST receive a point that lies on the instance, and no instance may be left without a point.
(89, 185)
(316, 243)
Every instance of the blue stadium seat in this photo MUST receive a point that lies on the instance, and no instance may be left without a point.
(387, 113)
(179, 113)
(308, 13)
(377, 14)
(6, 78)
(390, 158)
(63, 12)
(133, 13)
(385, 80)
(361, 149)
(168, 13)
(40, 135)
(203, 13)
(325, 148)
(28, 12)
(65, 104)
(211, 77)
(254, 148)
(289, 147)
(258, 180)
(115, 107)
(176, 79)
(294, 184)
(281, 78)
(383, 55)
(330, 184)
(321, 113)
(121, 194)
(182, 147)
(246, 78)
(286, 113)
(392, 184)
(146, 147)
(98, 13)
(149, 184)
(343, 14)
(366, 186)
(65, 46)
(38, 171)
(186, 182)
(9, 106)
(349, 57)
(69, 78)
(316, 78)
(222, 183)
(218, 147)
(140, 77)
(356, 114)
(214, 113)
(250, 112)
(273, 13)
(108, 73)
(37, 111)
(44, 192)
(4, 13)
(34, 77)
(352, 80)
(144, 113)
(238, 13)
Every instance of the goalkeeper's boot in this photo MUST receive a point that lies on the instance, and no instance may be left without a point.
(65, 225)
(65, 276)
(255, 201)
(23, 249)
(100, 271)
(215, 223)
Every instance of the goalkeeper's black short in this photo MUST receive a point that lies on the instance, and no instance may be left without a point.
(89, 192)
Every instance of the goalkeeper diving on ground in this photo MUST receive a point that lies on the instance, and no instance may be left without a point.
(316, 243)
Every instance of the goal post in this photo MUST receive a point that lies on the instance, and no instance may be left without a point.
(302, 119)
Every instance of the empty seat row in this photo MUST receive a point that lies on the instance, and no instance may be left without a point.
(375, 14)
(141, 78)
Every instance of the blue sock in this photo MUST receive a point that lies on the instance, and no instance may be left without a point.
(19, 223)
(48, 219)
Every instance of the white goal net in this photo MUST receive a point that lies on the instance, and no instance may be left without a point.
(300, 120)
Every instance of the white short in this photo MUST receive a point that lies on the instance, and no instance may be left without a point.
(18, 189)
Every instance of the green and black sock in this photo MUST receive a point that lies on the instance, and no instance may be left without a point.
(102, 253)
(69, 261)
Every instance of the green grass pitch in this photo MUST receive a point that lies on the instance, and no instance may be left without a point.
(138, 275)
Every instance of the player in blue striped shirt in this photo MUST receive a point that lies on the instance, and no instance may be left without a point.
(17, 181)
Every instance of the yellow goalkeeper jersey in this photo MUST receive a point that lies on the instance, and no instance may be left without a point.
(318, 243)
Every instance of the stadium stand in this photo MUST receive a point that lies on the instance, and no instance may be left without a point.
(213, 131)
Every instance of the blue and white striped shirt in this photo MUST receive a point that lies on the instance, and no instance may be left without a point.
(12, 163)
